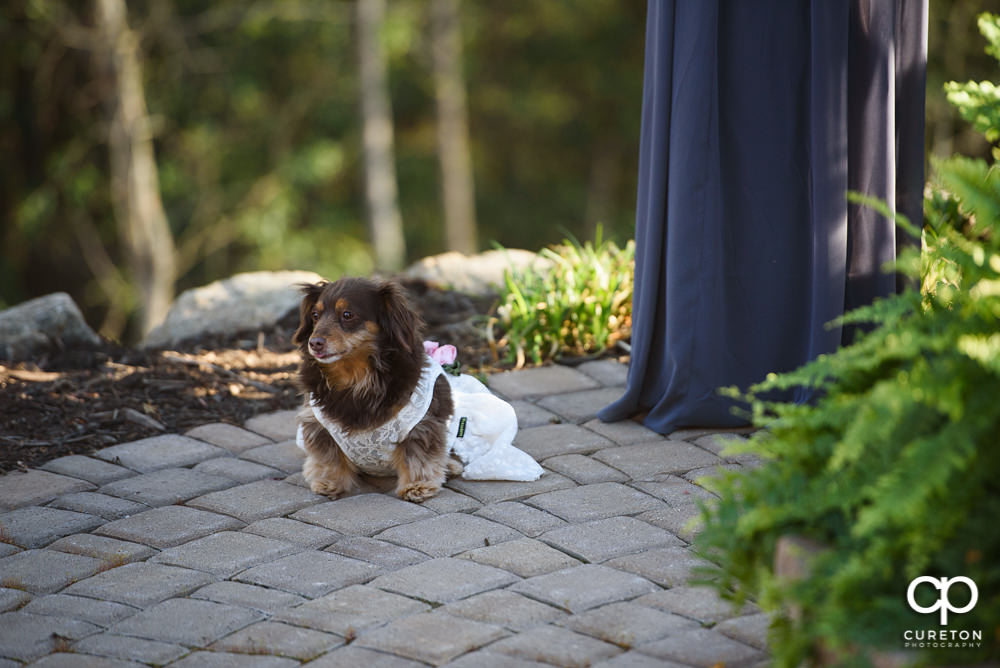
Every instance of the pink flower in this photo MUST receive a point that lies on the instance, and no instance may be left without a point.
(443, 355)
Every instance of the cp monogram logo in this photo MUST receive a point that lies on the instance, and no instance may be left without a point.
(943, 603)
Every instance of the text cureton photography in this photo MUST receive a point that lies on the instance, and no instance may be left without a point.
(942, 637)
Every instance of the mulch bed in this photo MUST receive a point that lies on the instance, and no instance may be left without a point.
(76, 402)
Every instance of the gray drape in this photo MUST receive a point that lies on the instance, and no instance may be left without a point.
(757, 118)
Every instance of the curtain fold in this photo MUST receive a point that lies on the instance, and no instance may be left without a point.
(756, 120)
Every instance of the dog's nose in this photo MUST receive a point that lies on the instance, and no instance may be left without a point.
(317, 343)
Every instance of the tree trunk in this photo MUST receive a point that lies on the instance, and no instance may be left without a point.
(453, 128)
(135, 193)
(380, 170)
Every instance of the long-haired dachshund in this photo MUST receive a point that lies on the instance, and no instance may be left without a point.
(363, 364)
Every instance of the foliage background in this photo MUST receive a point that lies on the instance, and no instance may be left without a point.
(256, 126)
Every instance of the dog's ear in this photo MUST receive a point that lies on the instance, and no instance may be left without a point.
(310, 295)
(397, 319)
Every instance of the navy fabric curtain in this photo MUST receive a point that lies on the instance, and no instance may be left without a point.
(757, 118)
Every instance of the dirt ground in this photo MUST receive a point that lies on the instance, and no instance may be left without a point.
(76, 402)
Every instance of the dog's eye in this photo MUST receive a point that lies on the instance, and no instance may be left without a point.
(315, 316)
(347, 315)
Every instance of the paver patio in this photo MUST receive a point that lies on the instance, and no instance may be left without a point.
(208, 549)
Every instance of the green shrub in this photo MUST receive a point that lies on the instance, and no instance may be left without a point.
(895, 468)
(580, 305)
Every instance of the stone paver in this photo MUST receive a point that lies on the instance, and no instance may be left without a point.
(257, 500)
(447, 535)
(293, 531)
(584, 470)
(116, 646)
(13, 599)
(225, 553)
(248, 596)
(559, 439)
(279, 639)
(601, 540)
(166, 486)
(168, 526)
(378, 552)
(36, 526)
(363, 515)
(434, 637)
(556, 646)
(102, 613)
(187, 621)
(239, 470)
(159, 452)
(87, 468)
(46, 571)
(668, 567)
(36, 487)
(594, 502)
(230, 437)
(102, 505)
(648, 460)
(310, 574)
(628, 624)
(749, 629)
(701, 647)
(579, 407)
(229, 660)
(525, 557)
(493, 491)
(529, 521)
(111, 551)
(351, 609)
(208, 550)
(25, 636)
(699, 603)
(140, 585)
(530, 415)
(606, 372)
(444, 580)
(626, 432)
(584, 587)
(540, 381)
(505, 608)
(283, 456)
(681, 520)
(277, 426)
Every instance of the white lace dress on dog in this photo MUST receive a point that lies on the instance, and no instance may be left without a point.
(481, 432)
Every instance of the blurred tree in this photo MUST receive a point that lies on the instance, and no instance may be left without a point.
(134, 180)
(380, 169)
(454, 155)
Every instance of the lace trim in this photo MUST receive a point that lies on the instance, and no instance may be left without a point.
(371, 450)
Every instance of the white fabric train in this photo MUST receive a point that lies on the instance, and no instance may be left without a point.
(481, 432)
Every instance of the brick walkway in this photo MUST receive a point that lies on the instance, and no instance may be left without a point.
(205, 549)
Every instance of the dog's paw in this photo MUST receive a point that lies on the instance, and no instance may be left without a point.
(418, 491)
(454, 468)
(326, 488)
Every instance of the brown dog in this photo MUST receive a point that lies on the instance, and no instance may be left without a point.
(362, 362)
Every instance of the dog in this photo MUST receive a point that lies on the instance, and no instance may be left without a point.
(363, 362)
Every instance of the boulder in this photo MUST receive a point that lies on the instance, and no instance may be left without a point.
(479, 274)
(37, 326)
(243, 302)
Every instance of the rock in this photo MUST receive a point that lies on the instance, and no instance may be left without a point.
(479, 274)
(242, 302)
(36, 326)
